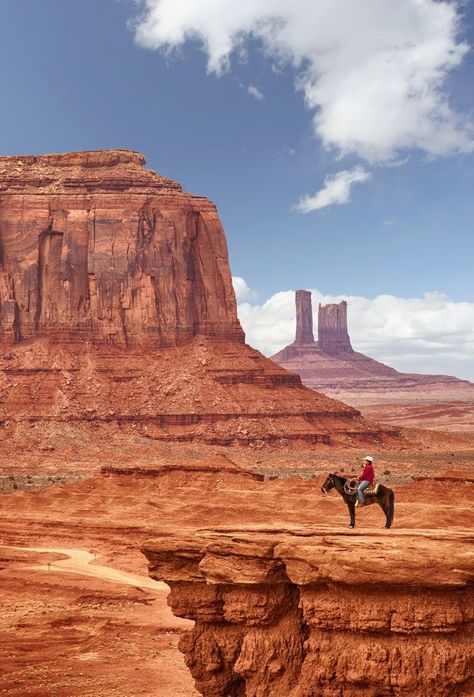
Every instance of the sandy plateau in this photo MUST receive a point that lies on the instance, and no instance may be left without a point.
(76, 634)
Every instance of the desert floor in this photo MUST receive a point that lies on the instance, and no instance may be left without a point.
(70, 627)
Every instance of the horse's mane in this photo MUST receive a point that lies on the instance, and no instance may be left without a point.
(340, 477)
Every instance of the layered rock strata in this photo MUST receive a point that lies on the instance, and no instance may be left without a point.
(117, 307)
(331, 365)
(213, 391)
(305, 612)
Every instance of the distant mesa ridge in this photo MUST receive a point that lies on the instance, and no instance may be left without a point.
(332, 366)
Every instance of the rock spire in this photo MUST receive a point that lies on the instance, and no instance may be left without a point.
(333, 337)
(331, 365)
(304, 317)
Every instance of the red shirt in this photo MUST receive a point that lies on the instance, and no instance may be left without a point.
(367, 473)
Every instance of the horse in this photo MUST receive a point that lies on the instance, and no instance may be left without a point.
(380, 494)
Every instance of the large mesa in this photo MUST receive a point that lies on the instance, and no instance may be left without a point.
(117, 311)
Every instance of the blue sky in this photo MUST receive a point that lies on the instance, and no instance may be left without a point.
(74, 77)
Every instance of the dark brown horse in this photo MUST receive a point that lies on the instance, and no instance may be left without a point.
(381, 495)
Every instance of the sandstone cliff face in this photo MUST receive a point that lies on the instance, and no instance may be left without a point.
(298, 612)
(93, 245)
(331, 365)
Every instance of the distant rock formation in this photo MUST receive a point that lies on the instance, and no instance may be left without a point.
(293, 612)
(331, 365)
(333, 337)
(117, 307)
(304, 318)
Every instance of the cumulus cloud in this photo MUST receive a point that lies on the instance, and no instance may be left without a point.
(373, 72)
(430, 334)
(256, 93)
(336, 190)
(242, 290)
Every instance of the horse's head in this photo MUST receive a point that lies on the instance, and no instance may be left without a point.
(328, 484)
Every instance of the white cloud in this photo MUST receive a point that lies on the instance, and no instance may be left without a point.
(336, 190)
(243, 292)
(256, 93)
(429, 334)
(373, 72)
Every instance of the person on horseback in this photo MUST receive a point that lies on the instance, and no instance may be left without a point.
(366, 478)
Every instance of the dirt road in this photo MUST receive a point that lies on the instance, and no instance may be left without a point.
(80, 561)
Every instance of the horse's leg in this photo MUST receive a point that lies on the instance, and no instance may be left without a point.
(352, 518)
(392, 507)
(385, 505)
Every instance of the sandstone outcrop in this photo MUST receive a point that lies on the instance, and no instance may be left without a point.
(331, 365)
(116, 306)
(316, 612)
(58, 638)
(218, 465)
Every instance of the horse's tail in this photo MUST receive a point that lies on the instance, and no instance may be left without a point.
(392, 506)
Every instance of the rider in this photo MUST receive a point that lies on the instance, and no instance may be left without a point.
(366, 478)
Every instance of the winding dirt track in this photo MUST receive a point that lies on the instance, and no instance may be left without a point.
(79, 561)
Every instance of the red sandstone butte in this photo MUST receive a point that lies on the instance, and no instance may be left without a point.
(117, 308)
(331, 366)
(96, 245)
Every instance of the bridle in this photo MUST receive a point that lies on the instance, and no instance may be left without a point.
(323, 488)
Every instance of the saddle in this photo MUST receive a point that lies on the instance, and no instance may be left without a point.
(372, 490)
(350, 487)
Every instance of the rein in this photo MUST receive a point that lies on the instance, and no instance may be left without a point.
(347, 486)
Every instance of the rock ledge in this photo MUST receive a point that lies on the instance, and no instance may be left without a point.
(317, 612)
